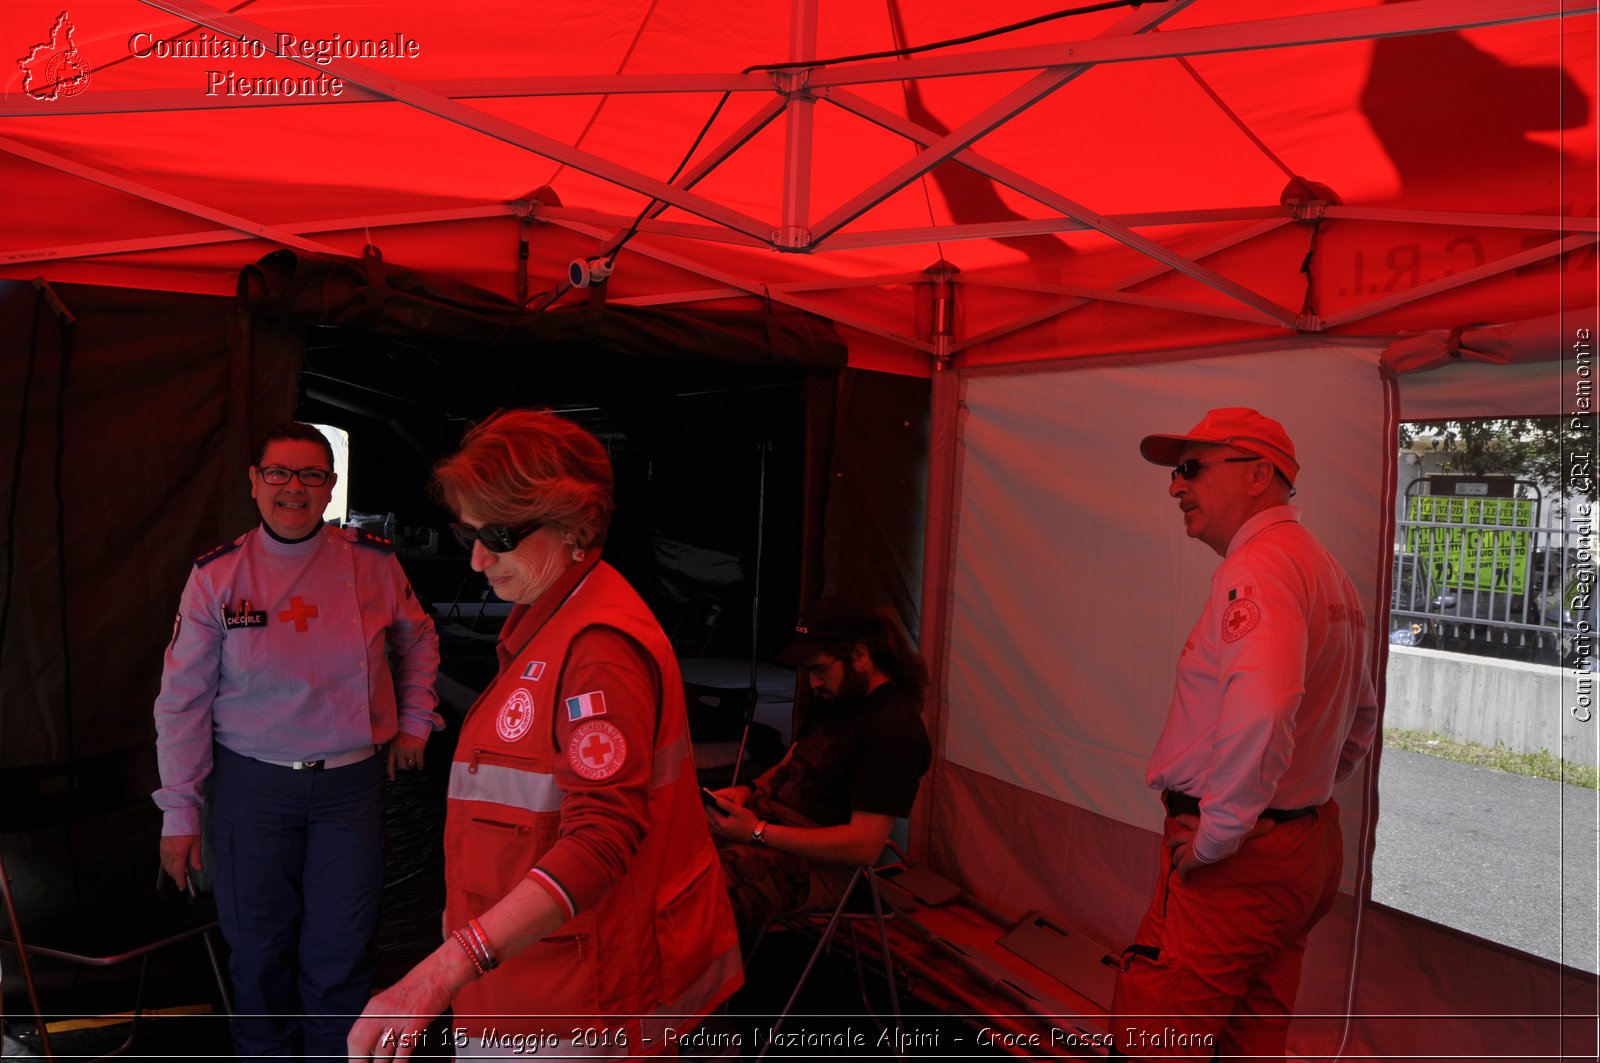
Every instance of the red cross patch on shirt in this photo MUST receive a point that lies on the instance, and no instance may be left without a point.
(1239, 620)
(298, 613)
(516, 716)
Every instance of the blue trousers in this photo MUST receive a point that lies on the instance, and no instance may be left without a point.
(299, 880)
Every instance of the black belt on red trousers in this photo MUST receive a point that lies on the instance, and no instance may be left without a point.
(1181, 804)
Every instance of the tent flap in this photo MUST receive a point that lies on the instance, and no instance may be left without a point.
(1545, 339)
(102, 508)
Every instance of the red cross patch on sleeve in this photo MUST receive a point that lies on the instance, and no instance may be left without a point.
(596, 749)
(1239, 619)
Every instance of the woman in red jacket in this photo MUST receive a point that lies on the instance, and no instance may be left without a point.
(584, 910)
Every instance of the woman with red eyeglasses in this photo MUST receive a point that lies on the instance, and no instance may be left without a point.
(584, 911)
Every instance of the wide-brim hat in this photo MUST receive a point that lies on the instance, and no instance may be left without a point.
(826, 623)
(1233, 426)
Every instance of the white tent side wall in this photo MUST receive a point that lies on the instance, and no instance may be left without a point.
(1059, 590)
(1069, 591)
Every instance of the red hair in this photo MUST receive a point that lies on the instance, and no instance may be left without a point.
(530, 466)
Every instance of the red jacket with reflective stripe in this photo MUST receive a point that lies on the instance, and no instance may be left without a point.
(545, 775)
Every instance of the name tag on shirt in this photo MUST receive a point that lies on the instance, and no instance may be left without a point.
(244, 619)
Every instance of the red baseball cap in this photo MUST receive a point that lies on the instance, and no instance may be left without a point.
(1233, 426)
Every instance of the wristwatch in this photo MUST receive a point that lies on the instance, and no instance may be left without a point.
(758, 836)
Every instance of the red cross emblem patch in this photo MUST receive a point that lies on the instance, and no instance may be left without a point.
(298, 613)
(516, 716)
(1239, 620)
(596, 750)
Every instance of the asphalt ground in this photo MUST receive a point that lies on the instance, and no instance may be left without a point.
(1504, 857)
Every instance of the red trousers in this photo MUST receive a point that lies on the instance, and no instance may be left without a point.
(1229, 944)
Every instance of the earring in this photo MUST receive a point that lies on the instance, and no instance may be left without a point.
(577, 551)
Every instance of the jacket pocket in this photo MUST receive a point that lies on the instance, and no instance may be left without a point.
(493, 854)
(693, 931)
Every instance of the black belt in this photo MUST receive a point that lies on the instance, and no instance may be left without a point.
(1181, 804)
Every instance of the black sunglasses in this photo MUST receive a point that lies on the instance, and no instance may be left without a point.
(1191, 467)
(498, 538)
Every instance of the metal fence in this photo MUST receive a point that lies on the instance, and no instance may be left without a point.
(1487, 575)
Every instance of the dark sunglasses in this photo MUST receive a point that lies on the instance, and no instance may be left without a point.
(1190, 468)
(498, 538)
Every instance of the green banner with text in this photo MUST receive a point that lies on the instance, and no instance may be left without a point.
(1473, 542)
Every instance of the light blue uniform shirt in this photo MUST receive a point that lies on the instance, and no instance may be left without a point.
(278, 653)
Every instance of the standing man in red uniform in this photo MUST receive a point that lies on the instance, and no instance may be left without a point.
(1273, 704)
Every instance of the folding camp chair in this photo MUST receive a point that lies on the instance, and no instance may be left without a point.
(866, 876)
(110, 924)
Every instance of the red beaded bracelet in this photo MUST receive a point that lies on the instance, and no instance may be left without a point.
(461, 939)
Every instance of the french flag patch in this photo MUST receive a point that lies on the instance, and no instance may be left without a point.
(585, 705)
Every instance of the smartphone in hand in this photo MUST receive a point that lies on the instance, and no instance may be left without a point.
(709, 799)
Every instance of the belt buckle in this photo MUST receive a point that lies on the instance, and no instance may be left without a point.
(308, 765)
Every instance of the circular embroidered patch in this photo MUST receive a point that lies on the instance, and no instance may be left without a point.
(516, 716)
(596, 750)
(1240, 619)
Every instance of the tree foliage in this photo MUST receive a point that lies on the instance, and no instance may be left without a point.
(1530, 448)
